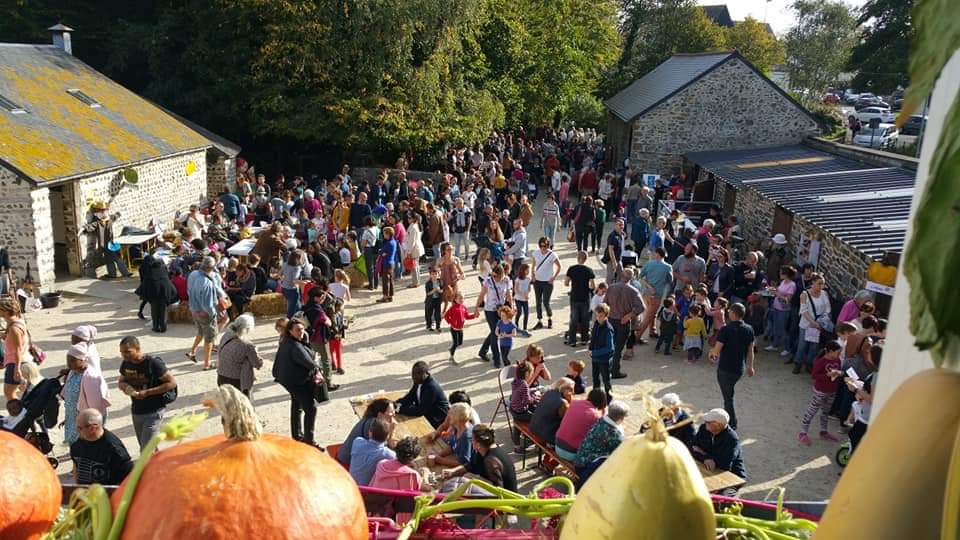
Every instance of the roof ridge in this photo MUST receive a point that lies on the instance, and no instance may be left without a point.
(705, 53)
(43, 45)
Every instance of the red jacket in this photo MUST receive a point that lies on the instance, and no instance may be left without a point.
(457, 316)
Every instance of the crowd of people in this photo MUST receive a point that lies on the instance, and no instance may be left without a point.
(668, 278)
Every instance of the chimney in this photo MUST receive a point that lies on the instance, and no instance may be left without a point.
(61, 37)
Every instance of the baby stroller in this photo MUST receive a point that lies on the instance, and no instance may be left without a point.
(41, 410)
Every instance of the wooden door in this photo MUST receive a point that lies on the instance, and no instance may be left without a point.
(782, 222)
(729, 200)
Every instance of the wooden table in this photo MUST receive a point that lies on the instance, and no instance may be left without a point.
(359, 404)
(242, 248)
(718, 480)
(127, 240)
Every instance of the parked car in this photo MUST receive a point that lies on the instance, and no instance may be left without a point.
(898, 104)
(912, 125)
(831, 99)
(850, 99)
(883, 113)
(870, 102)
(883, 136)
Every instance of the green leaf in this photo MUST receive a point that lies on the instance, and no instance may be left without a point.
(936, 38)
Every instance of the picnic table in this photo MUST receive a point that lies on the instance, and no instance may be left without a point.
(407, 426)
(126, 241)
(242, 248)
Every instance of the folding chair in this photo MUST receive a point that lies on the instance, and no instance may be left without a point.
(506, 373)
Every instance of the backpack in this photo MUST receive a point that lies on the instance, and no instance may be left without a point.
(167, 397)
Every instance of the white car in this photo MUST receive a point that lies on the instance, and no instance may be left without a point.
(883, 136)
(867, 113)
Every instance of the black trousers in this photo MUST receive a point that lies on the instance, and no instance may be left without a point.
(542, 291)
(601, 374)
(303, 412)
(491, 342)
(728, 381)
(457, 336)
(431, 311)
(620, 334)
(856, 433)
(158, 313)
(579, 320)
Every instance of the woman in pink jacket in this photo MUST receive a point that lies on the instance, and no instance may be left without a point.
(85, 388)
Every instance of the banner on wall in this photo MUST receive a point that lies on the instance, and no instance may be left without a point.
(650, 179)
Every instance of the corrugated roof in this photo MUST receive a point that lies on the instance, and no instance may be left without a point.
(864, 205)
(662, 82)
(62, 137)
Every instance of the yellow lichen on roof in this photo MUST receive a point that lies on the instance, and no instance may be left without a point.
(62, 136)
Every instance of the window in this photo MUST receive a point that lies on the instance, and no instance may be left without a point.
(89, 101)
(11, 107)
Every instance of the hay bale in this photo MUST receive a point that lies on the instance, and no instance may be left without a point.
(267, 305)
(357, 279)
(180, 314)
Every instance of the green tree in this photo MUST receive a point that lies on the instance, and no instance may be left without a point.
(756, 44)
(819, 45)
(880, 59)
(655, 30)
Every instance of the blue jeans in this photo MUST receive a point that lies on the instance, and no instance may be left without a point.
(778, 328)
(523, 308)
(458, 240)
(293, 300)
(550, 231)
(806, 350)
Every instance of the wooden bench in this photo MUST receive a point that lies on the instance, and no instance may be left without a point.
(542, 448)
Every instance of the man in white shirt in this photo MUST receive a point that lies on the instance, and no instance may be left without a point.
(517, 250)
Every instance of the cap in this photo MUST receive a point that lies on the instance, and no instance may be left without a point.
(670, 400)
(779, 239)
(717, 415)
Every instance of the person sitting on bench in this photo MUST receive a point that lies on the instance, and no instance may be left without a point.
(425, 398)
(488, 461)
(549, 412)
(604, 437)
(717, 446)
(580, 417)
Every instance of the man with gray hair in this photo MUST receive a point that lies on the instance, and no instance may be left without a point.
(205, 292)
(717, 446)
(98, 455)
(625, 303)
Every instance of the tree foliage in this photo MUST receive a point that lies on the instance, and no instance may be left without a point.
(361, 74)
(756, 44)
(819, 45)
(880, 59)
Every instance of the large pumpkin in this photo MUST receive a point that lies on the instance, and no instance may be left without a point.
(29, 490)
(243, 485)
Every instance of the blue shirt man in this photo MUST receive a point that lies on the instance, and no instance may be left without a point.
(366, 453)
(657, 274)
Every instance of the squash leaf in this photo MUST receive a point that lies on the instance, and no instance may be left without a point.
(934, 252)
(937, 36)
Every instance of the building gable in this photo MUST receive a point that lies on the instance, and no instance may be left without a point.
(75, 120)
(731, 106)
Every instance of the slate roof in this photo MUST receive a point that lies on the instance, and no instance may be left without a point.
(665, 80)
(863, 205)
(719, 14)
(60, 136)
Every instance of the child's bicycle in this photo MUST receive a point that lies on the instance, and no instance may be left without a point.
(842, 456)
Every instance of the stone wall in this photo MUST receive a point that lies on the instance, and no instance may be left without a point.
(618, 139)
(843, 266)
(221, 172)
(729, 108)
(26, 229)
(162, 190)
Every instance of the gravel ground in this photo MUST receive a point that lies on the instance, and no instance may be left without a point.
(386, 339)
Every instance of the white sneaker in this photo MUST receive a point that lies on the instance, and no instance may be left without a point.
(784, 353)
(453, 360)
(770, 348)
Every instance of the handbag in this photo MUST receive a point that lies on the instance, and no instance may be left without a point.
(38, 354)
(571, 236)
(825, 324)
(408, 263)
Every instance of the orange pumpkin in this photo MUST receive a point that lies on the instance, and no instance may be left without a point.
(29, 490)
(243, 485)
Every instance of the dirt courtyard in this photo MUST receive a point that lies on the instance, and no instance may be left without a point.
(386, 339)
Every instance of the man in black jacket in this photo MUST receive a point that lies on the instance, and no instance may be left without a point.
(426, 398)
(717, 446)
(747, 279)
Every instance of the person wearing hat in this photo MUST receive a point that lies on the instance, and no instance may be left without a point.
(777, 255)
(717, 446)
(101, 247)
(676, 419)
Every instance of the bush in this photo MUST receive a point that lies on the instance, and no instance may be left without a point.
(830, 119)
(586, 111)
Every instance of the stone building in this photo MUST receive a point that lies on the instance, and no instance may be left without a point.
(68, 136)
(856, 201)
(698, 102)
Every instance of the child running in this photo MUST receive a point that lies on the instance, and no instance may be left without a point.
(826, 371)
(457, 316)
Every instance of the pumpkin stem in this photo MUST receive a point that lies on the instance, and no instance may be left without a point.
(240, 422)
(656, 430)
